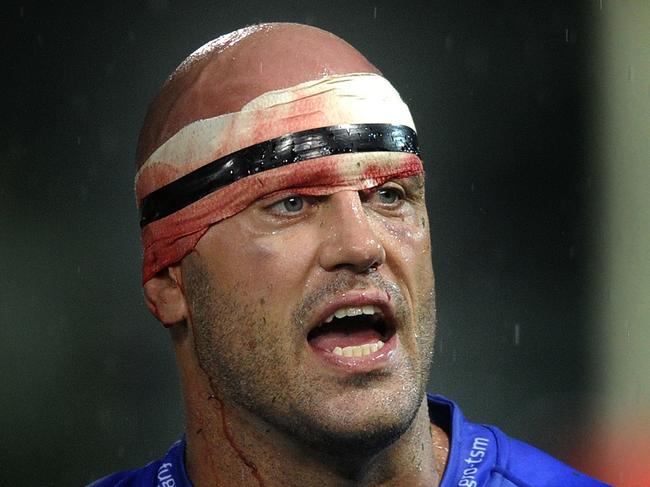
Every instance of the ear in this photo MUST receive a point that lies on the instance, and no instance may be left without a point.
(165, 298)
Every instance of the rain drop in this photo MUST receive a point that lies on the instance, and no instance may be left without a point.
(517, 334)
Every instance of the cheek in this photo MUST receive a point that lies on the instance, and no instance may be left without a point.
(278, 256)
(408, 240)
(272, 268)
(408, 253)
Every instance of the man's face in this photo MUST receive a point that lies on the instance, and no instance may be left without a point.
(264, 284)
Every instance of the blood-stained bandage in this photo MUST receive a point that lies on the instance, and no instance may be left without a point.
(346, 132)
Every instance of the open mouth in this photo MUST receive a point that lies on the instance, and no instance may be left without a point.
(352, 331)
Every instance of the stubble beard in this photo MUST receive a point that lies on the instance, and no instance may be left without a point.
(280, 397)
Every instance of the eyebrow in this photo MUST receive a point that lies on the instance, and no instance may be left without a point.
(270, 154)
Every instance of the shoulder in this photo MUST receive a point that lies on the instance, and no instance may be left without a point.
(522, 465)
(130, 478)
(167, 472)
(483, 456)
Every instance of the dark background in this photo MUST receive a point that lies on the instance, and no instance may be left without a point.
(500, 93)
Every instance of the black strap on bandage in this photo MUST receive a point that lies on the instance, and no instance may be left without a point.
(287, 149)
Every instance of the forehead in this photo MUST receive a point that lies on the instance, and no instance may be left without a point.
(362, 172)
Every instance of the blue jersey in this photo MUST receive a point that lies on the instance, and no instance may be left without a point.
(479, 456)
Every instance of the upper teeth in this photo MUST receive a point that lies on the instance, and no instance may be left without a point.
(353, 311)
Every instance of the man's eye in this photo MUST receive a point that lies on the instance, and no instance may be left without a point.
(389, 196)
(292, 204)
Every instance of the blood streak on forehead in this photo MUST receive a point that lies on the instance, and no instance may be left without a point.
(333, 174)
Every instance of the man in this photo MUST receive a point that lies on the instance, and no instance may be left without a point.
(286, 246)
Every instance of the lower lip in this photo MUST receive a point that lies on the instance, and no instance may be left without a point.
(373, 361)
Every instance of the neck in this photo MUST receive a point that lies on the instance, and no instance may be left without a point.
(226, 446)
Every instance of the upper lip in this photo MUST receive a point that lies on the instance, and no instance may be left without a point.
(356, 298)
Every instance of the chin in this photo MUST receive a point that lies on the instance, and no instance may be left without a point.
(366, 438)
(350, 426)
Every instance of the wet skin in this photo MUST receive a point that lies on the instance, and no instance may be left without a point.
(258, 282)
(263, 405)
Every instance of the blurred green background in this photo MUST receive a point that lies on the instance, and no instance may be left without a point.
(534, 122)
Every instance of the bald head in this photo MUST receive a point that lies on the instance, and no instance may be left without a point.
(228, 72)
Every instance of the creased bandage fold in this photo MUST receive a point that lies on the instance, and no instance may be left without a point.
(364, 100)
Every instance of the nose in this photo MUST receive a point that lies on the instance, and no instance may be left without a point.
(349, 240)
